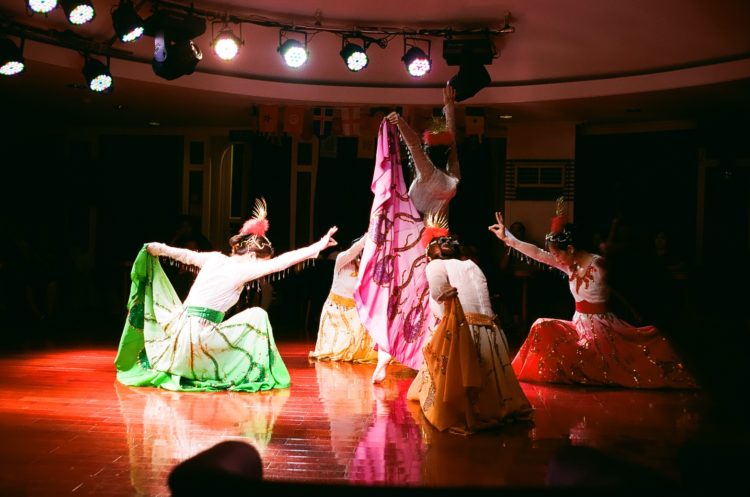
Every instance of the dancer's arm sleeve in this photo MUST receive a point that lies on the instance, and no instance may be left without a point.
(437, 278)
(531, 250)
(179, 254)
(349, 254)
(255, 269)
(453, 168)
(422, 164)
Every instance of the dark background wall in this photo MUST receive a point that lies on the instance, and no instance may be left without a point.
(75, 212)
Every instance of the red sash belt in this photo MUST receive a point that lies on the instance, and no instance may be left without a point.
(585, 307)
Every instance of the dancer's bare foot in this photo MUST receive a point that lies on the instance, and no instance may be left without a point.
(379, 375)
(384, 358)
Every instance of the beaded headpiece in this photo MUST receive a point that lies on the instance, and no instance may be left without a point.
(558, 232)
(255, 228)
(435, 226)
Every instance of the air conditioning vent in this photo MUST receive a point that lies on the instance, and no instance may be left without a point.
(535, 180)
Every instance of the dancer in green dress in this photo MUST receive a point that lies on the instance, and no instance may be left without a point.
(188, 345)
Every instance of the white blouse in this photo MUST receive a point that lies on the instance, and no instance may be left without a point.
(432, 189)
(221, 278)
(344, 275)
(466, 277)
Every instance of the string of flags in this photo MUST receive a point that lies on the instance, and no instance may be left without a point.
(361, 122)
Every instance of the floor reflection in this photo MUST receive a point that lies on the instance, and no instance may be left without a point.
(63, 416)
(623, 423)
(391, 451)
(164, 428)
(346, 395)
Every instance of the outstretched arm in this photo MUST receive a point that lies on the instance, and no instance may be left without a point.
(255, 269)
(525, 248)
(422, 164)
(183, 255)
(349, 254)
(449, 110)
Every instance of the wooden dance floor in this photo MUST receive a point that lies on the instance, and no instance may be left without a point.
(68, 428)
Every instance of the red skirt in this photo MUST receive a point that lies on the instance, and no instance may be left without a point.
(599, 349)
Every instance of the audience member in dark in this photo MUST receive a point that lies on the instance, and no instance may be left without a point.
(228, 468)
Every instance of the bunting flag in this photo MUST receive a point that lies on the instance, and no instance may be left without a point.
(268, 121)
(350, 121)
(392, 292)
(322, 121)
(474, 122)
(294, 118)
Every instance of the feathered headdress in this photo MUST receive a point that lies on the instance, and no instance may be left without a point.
(435, 226)
(253, 232)
(557, 232)
(258, 224)
(561, 218)
(437, 134)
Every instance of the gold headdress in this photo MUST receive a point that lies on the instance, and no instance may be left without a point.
(435, 226)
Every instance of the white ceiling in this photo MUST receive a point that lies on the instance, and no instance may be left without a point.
(588, 61)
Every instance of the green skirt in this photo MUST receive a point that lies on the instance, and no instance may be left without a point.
(168, 345)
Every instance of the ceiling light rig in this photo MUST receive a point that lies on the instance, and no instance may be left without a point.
(416, 60)
(226, 44)
(293, 51)
(174, 58)
(78, 11)
(471, 54)
(174, 24)
(129, 26)
(98, 77)
(11, 58)
(354, 56)
(41, 6)
(175, 52)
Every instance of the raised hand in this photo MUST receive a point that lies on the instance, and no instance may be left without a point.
(393, 117)
(499, 227)
(327, 240)
(449, 95)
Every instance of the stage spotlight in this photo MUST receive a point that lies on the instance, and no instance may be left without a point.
(354, 56)
(127, 23)
(42, 6)
(11, 58)
(416, 61)
(471, 78)
(78, 11)
(471, 54)
(174, 58)
(98, 77)
(226, 44)
(293, 51)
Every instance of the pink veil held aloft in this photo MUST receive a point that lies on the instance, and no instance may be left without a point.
(392, 293)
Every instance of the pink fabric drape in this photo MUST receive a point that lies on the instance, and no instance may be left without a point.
(392, 293)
